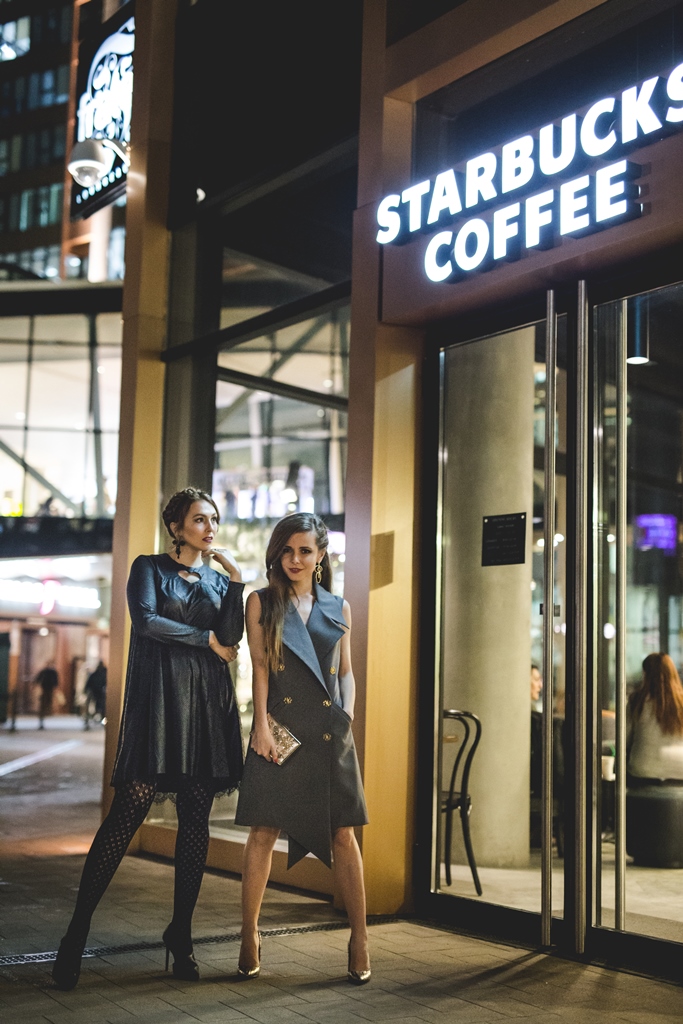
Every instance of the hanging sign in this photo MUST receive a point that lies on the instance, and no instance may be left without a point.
(548, 180)
(104, 99)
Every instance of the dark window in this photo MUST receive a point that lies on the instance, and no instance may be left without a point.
(529, 88)
(406, 16)
(13, 212)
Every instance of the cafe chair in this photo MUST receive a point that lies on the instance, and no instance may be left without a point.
(457, 796)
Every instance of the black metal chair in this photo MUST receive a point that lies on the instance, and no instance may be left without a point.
(457, 796)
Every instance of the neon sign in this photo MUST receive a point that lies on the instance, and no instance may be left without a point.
(585, 203)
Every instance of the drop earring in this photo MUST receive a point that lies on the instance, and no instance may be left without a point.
(178, 546)
(318, 572)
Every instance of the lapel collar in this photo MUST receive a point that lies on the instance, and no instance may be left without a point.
(297, 638)
(326, 624)
(328, 605)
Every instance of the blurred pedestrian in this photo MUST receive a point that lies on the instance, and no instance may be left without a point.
(95, 691)
(47, 681)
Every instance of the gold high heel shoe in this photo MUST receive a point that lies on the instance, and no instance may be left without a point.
(357, 977)
(247, 973)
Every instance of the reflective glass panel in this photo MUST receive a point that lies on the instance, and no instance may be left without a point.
(653, 530)
(313, 354)
(490, 640)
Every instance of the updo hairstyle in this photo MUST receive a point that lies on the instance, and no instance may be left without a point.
(178, 507)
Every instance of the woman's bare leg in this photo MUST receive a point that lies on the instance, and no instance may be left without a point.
(258, 855)
(348, 866)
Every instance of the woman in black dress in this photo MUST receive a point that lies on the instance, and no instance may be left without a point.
(180, 732)
(299, 640)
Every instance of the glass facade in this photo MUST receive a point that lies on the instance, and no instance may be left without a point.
(60, 412)
(491, 600)
(32, 149)
(650, 528)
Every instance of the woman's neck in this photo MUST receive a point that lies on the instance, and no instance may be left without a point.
(301, 589)
(190, 558)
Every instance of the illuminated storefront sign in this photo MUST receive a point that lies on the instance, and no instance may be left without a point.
(104, 99)
(539, 214)
(48, 594)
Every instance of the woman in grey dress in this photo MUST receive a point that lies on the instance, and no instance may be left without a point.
(299, 640)
(180, 731)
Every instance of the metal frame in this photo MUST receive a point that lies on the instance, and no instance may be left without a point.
(274, 320)
(620, 639)
(276, 387)
(580, 624)
(548, 616)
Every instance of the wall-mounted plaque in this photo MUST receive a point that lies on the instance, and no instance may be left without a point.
(503, 539)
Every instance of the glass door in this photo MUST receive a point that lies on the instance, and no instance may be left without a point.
(638, 603)
(498, 815)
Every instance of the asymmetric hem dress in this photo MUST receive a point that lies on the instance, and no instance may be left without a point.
(180, 720)
(319, 788)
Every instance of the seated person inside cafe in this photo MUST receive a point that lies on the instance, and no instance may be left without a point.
(654, 740)
(536, 765)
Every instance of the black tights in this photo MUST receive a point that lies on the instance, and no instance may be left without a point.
(129, 809)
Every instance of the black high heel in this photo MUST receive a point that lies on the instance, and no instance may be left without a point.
(247, 973)
(357, 977)
(67, 967)
(185, 967)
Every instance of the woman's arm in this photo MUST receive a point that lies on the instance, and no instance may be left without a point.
(229, 623)
(261, 738)
(142, 604)
(347, 684)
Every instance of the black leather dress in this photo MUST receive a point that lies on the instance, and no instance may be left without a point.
(180, 720)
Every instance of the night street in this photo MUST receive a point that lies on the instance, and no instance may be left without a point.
(420, 974)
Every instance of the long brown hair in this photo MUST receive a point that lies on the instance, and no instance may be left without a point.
(661, 685)
(275, 598)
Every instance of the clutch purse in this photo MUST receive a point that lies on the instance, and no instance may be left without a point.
(285, 741)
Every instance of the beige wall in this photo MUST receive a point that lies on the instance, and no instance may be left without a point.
(144, 327)
(383, 478)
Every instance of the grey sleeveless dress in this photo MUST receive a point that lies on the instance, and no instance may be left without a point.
(319, 788)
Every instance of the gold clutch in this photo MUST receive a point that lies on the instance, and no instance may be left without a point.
(285, 742)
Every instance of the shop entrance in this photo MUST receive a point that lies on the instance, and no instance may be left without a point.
(558, 571)
(502, 563)
(638, 601)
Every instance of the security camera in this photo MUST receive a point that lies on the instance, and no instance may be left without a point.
(91, 159)
(89, 162)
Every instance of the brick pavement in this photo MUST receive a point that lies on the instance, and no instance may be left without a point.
(421, 975)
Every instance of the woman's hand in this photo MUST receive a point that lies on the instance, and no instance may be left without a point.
(262, 742)
(227, 654)
(227, 560)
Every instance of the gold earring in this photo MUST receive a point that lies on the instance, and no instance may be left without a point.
(318, 572)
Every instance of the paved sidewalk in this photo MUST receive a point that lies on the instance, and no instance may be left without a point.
(420, 973)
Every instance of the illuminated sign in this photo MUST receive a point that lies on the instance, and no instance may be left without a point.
(524, 168)
(656, 530)
(104, 99)
(48, 594)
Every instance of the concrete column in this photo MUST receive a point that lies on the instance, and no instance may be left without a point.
(486, 644)
(98, 250)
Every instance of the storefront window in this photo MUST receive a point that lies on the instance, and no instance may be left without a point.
(491, 600)
(252, 286)
(653, 592)
(275, 453)
(59, 428)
